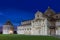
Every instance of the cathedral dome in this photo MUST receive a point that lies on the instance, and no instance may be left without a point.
(49, 12)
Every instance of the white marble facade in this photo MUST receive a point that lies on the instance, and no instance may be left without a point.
(42, 24)
(37, 26)
(8, 28)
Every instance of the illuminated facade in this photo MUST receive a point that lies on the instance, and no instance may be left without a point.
(47, 23)
(8, 28)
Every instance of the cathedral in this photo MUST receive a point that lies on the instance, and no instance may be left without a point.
(47, 23)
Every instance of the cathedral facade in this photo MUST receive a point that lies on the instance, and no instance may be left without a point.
(47, 23)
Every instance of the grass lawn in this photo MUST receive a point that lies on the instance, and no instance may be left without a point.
(26, 37)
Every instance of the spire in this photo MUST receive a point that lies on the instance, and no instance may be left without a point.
(48, 7)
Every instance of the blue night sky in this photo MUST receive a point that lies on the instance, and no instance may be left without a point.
(19, 10)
